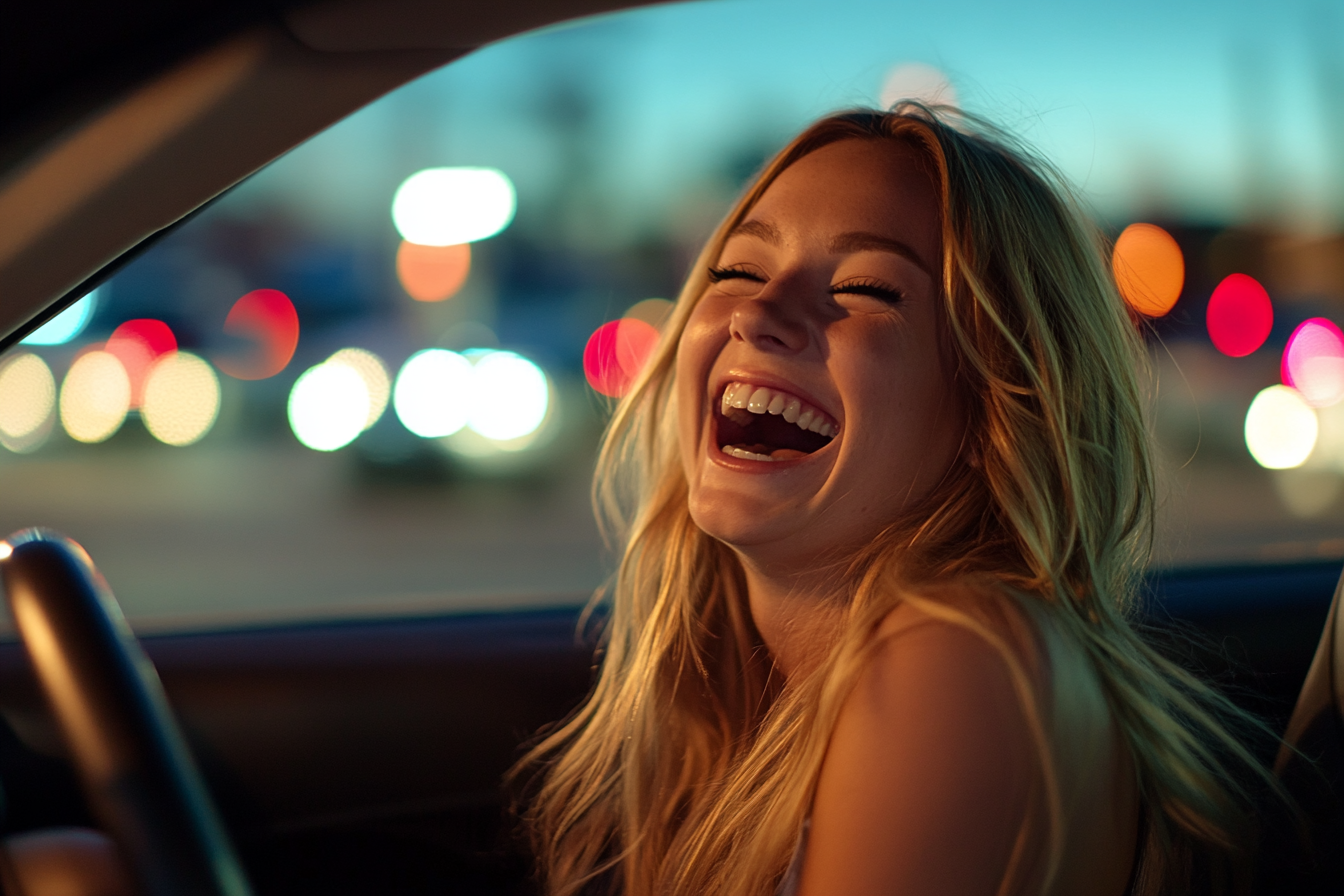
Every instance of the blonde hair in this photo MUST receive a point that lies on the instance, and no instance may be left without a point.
(689, 770)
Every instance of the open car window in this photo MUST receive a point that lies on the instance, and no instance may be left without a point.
(372, 378)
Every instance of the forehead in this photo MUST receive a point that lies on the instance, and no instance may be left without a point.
(877, 186)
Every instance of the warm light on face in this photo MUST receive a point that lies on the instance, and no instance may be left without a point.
(1149, 269)
(27, 402)
(66, 325)
(95, 397)
(433, 273)
(181, 399)
(511, 396)
(1240, 316)
(447, 206)
(1313, 362)
(433, 395)
(1281, 428)
(328, 406)
(267, 318)
(616, 354)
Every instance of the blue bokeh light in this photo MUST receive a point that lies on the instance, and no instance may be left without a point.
(66, 325)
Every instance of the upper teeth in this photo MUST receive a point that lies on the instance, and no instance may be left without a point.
(764, 400)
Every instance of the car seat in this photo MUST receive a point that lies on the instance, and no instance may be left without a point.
(1304, 854)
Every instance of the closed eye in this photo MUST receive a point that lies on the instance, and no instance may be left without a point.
(869, 286)
(718, 275)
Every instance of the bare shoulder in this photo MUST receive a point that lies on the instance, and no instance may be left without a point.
(934, 759)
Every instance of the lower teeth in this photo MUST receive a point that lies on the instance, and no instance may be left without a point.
(776, 454)
(733, 451)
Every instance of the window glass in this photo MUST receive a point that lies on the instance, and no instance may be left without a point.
(366, 380)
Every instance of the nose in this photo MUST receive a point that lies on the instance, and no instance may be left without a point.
(769, 323)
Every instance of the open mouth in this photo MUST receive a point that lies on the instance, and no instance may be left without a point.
(760, 423)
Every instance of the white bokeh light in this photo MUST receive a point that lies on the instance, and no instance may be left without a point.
(373, 372)
(27, 402)
(66, 325)
(1281, 428)
(916, 81)
(448, 206)
(328, 406)
(512, 396)
(181, 401)
(434, 395)
(95, 396)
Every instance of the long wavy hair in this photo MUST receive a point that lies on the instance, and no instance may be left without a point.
(689, 769)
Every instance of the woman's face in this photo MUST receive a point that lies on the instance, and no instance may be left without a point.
(815, 393)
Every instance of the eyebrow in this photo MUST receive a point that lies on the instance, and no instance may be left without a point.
(853, 241)
(859, 241)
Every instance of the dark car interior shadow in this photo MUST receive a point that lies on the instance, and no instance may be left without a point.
(363, 755)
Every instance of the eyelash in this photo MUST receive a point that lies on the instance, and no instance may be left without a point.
(718, 275)
(869, 286)
(866, 286)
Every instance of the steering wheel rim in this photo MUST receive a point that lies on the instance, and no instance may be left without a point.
(109, 705)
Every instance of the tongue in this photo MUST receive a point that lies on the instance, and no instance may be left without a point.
(787, 454)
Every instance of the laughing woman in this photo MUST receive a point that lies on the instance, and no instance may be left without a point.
(884, 494)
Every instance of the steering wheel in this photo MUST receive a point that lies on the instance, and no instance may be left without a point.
(137, 773)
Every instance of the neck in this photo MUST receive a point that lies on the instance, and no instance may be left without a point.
(798, 614)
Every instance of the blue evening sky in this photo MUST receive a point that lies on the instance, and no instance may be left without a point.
(1204, 110)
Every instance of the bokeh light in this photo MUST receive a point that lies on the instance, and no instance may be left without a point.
(616, 354)
(137, 344)
(27, 402)
(654, 312)
(446, 206)
(328, 406)
(510, 395)
(1149, 269)
(916, 81)
(373, 372)
(181, 399)
(433, 395)
(1313, 362)
(433, 273)
(1281, 428)
(66, 325)
(95, 397)
(1240, 315)
(267, 318)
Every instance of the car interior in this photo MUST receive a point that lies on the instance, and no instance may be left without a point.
(327, 683)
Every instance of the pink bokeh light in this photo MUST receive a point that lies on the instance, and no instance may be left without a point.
(137, 344)
(1240, 315)
(616, 353)
(1313, 362)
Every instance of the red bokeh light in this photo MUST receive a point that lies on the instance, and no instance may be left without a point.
(137, 344)
(267, 317)
(1240, 315)
(616, 353)
(1313, 362)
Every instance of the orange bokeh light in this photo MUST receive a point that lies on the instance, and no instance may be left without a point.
(433, 273)
(137, 344)
(266, 317)
(1149, 269)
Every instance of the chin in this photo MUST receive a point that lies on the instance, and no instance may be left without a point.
(738, 522)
